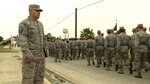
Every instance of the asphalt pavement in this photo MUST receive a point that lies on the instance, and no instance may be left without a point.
(78, 72)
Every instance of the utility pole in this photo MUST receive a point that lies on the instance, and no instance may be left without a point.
(75, 22)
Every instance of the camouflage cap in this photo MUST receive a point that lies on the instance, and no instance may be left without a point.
(110, 30)
(134, 30)
(35, 7)
(140, 25)
(122, 27)
(99, 31)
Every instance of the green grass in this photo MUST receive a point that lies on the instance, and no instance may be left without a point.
(5, 49)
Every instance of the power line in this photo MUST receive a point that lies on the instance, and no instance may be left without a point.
(90, 4)
(72, 14)
(61, 21)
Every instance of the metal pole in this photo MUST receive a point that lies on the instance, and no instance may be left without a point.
(75, 22)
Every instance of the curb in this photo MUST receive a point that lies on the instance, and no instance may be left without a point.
(63, 76)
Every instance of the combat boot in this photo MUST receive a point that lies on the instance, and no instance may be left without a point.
(120, 71)
(93, 63)
(89, 64)
(138, 75)
(70, 59)
(107, 68)
(55, 60)
(104, 63)
(98, 66)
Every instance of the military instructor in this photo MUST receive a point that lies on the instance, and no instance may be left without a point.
(32, 40)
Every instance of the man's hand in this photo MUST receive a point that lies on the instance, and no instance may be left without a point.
(30, 58)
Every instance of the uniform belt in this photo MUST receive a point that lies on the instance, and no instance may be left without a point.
(98, 44)
(143, 43)
(58, 47)
(124, 44)
(90, 47)
(110, 46)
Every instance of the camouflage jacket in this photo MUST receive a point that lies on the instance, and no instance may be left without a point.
(99, 42)
(123, 42)
(132, 40)
(110, 41)
(141, 41)
(31, 38)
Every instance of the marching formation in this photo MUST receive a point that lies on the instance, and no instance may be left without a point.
(117, 48)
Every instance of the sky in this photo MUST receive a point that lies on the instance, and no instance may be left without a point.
(101, 16)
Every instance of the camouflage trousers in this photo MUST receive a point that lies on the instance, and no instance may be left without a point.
(33, 73)
(109, 55)
(132, 55)
(51, 52)
(141, 61)
(122, 59)
(99, 54)
(75, 54)
(90, 56)
(66, 54)
(82, 53)
(58, 55)
(148, 56)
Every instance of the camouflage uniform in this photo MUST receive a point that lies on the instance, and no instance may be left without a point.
(53, 48)
(50, 48)
(65, 47)
(71, 48)
(99, 45)
(148, 55)
(58, 47)
(132, 52)
(110, 46)
(68, 51)
(141, 49)
(79, 43)
(47, 45)
(123, 44)
(31, 38)
(132, 47)
(75, 49)
(83, 49)
(89, 46)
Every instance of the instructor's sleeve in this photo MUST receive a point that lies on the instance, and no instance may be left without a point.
(23, 40)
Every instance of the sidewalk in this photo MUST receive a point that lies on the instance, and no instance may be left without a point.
(10, 68)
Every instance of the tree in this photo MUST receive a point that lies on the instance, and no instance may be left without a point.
(85, 33)
(1, 38)
(49, 37)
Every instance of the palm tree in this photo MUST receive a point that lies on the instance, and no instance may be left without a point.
(49, 37)
(85, 33)
(1, 38)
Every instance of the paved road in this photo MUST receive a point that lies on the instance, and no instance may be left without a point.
(80, 73)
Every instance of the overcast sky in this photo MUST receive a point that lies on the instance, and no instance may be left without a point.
(101, 16)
